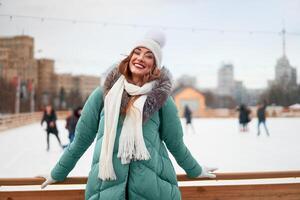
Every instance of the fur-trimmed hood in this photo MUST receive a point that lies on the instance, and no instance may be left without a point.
(155, 99)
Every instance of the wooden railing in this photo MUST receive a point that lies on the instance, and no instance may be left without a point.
(270, 191)
(21, 119)
(16, 120)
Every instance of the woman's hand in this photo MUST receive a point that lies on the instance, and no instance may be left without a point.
(207, 172)
(49, 180)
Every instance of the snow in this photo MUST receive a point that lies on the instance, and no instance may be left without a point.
(217, 143)
(295, 106)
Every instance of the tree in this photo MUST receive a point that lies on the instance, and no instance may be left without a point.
(278, 95)
(7, 96)
(219, 101)
(74, 99)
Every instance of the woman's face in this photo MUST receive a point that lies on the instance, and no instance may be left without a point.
(48, 109)
(141, 62)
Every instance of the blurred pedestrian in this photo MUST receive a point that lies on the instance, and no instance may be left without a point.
(49, 117)
(261, 117)
(244, 117)
(71, 122)
(188, 119)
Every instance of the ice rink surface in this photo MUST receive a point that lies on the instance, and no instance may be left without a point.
(216, 142)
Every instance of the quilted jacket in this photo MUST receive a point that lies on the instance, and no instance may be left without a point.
(151, 179)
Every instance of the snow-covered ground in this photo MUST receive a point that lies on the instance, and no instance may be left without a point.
(217, 142)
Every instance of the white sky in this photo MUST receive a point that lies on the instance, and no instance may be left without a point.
(82, 48)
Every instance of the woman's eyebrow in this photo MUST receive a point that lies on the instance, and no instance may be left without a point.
(149, 52)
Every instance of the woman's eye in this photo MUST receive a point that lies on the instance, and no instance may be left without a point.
(136, 52)
(149, 56)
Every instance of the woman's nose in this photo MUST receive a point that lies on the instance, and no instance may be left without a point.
(140, 57)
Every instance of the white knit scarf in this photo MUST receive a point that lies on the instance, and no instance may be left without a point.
(131, 142)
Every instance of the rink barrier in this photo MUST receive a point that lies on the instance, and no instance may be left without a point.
(22, 119)
(271, 191)
(17, 120)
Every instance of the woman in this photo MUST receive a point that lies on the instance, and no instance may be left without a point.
(50, 118)
(134, 117)
(187, 113)
(244, 117)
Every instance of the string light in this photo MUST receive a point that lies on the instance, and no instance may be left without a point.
(105, 24)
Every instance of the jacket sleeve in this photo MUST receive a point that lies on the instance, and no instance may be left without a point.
(85, 133)
(43, 119)
(172, 135)
(54, 117)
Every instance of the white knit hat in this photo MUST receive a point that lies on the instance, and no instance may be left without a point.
(154, 40)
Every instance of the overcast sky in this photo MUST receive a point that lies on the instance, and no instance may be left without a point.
(90, 48)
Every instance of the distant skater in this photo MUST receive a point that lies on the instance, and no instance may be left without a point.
(188, 119)
(71, 122)
(50, 118)
(261, 117)
(244, 117)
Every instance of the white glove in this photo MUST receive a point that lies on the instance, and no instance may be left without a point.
(207, 172)
(49, 180)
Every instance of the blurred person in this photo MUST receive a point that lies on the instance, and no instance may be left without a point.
(135, 120)
(71, 121)
(244, 117)
(188, 118)
(261, 117)
(50, 118)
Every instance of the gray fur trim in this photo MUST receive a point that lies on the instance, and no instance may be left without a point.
(159, 94)
(156, 98)
(110, 79)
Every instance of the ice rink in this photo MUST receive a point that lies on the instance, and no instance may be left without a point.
(217, 142)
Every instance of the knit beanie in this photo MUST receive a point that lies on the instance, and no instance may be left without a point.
(154, 40)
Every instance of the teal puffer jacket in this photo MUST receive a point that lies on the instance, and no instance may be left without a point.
(151, 179)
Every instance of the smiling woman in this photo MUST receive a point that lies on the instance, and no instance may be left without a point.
(135, 121)
(141, 64)
(139, 67)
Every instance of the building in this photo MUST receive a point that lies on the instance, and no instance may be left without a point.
(82, 83)
(240, 93)
(186, 80)
(285, 74)
(21, 47)
(4, 63)
(17, 60)
(86, 84)
(64, 82)
(46, 75)
(187, 95)
(225, 80)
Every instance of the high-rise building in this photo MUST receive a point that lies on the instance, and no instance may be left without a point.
(285, 74)
(240, 92)
(186, 80)
(225, 80)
